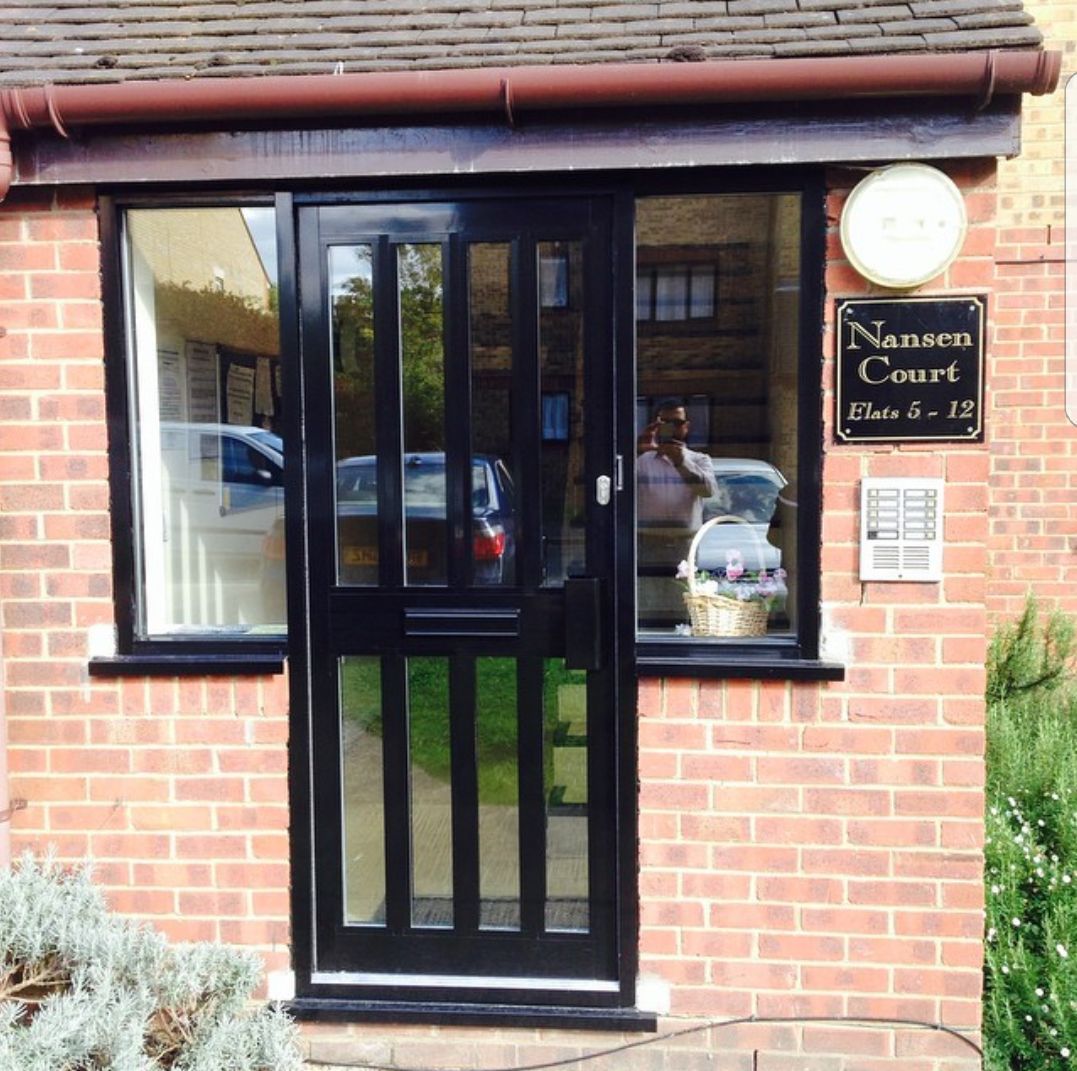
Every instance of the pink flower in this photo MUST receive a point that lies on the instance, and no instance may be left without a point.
(734, 565)
(682, 571)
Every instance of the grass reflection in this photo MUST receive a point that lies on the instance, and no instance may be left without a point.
(496, 716)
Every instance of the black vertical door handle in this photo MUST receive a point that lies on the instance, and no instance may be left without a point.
(584, 642)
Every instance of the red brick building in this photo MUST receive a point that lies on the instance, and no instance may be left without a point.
(339, 616)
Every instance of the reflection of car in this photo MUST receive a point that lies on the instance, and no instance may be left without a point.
(222, 491)
(493, 523)
(749, 489)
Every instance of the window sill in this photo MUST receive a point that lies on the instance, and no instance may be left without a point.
(325, 1009)
(733, 663)
(204, 664)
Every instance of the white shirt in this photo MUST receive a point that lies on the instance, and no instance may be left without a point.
(672, 496)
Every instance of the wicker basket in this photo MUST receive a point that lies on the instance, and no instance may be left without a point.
(720, 615)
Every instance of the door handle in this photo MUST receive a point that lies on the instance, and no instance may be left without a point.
(584, 641)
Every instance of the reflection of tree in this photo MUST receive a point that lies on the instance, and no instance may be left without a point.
(421, 346)
(220, 316)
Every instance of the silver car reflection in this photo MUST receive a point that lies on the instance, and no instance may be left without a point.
(749, 489)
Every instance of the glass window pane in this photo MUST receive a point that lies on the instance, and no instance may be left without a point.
(671, 293)
(208, 456)
(422, 360)
(701, 298)
(567, 882)
(644, 297)
(499, 793)
(363, 790)
(430, 792)
(717, 415)
(351, 340)
(561, 376)
(493, 487)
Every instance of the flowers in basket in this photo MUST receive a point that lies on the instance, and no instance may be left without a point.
(736, 582)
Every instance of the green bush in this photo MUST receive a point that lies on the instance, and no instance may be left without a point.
(81, 990)
(1030, 970)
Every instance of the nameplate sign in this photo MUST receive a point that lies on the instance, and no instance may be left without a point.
(910, 369)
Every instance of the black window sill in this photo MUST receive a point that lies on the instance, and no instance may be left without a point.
(189, 664)
(324, 1009)
(732, 662)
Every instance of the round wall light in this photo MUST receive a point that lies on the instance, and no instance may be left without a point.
(903, 225)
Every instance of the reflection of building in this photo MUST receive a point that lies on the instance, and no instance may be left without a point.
(717, 319)
(202, 285)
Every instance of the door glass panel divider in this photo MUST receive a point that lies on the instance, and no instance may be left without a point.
(389, 395)
(531, 752)
(457, 414)
(465, 793)
(324, 735)
(525, 410)
(601, 691)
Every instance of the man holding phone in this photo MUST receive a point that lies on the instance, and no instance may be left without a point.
(672, 482)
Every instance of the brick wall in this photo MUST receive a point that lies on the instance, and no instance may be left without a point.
(1033, 507)
(806, 849)
(175, 788)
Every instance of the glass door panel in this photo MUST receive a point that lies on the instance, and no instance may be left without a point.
(565, 707)
(490, 346)
(430, 792)
(351, 340)
(422, 363)
(363, 790)
(562, 378)
(498, 777)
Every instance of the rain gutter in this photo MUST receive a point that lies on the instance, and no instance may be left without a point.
(512, 91)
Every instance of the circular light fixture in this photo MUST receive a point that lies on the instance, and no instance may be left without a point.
(903, 225)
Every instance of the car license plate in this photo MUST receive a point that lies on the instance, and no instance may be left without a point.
(417, 559)
(360, 555)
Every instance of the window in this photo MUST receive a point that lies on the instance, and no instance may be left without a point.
(671, 293)
(205, 408)
(718, 422)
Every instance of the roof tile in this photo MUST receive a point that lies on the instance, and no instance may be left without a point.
(923, 26)
(994, 18)
(883, 43)
(813, 48)
(889, 13)
(802, 18)
(113, 40)
(757, 7)
(989, 37)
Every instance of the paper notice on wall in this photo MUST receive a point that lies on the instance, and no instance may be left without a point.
(203, 403)
(240, 393)
(263, 388)
(169, 385)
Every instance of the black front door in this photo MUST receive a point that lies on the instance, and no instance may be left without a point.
(458, 465)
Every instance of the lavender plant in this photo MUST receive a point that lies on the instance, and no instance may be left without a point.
(1030, 969)
(82, 990)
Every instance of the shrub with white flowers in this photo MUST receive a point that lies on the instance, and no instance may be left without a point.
(82, 990)
(1030, 979)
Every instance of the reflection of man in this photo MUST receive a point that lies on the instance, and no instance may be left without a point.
(672, 482)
